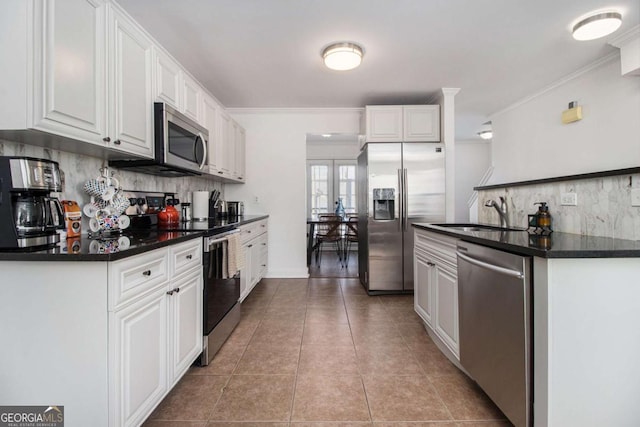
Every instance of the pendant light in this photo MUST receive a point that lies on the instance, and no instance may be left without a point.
(597, 25)
(342, 56)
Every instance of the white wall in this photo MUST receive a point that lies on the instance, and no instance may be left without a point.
(473, 159)
(530, 142)
(276, 161)
(341, 150)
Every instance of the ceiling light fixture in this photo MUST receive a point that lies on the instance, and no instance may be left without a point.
(597, 25)
(342, 56)
(486, 132)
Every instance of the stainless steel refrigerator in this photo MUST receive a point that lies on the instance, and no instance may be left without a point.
(398, 184)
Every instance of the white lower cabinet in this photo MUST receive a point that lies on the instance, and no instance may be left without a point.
(436, 287)
(185, 327)
(138, 378)
(255, 243)
(156, 335)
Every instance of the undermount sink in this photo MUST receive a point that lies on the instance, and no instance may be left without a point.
(477, 227)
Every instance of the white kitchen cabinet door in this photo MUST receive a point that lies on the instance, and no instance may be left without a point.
(263, 255)
(130, 83)
(230, 150)
(383, 123)
(245, 273)
(191, 98)
(167, 83)
(185, 329)
(421, 123)
(240, 154)
(222, 145)
(423, 270)
(69, 96)
(446, 298)
(138, 359)
(211, 123)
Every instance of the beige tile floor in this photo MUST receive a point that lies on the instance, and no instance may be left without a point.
(321, 352)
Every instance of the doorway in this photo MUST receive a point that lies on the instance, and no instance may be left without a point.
(331, 177)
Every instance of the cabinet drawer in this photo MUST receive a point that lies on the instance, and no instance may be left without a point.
(443, 248)
(252, 230)
(136, 276)
(185, 256)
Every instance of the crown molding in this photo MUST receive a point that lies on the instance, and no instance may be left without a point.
(290, 110)
(596, 64)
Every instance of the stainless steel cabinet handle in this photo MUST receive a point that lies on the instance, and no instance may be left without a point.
(117, 142)
(189, 256)
(250, 246)
(173, 291)
(248, 231)
(106, 139)
(177, 290)
(497, 269)
(220, 172)
(169, 292)
(430, 264)
(146, 273)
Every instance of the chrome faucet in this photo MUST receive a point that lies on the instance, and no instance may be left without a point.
(502, 210)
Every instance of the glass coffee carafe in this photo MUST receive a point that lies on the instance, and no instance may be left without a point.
(30, 213)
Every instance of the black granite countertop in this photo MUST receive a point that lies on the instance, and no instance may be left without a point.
(555, 245)
(129, 243)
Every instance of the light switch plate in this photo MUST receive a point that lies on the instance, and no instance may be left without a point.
(569, 199)
(635, 197)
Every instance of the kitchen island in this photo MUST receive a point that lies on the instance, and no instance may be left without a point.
(585, 315)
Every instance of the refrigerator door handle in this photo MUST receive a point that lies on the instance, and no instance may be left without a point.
(400, 211)
(405, 199)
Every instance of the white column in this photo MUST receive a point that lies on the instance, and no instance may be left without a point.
(448, 132)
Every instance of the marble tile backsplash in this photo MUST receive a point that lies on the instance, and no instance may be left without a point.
(78, 168)
(604, 206)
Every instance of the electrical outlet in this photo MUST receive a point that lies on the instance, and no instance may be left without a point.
(569, 199)
(635, 197)
(256, 200)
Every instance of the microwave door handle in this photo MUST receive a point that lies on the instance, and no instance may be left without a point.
(204, 146)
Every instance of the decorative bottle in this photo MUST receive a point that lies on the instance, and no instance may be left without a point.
(340, 208)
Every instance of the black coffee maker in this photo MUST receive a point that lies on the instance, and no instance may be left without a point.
(29, 216)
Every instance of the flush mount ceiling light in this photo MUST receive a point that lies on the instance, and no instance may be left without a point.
(342, 56)
(597, 25)
(486, 131)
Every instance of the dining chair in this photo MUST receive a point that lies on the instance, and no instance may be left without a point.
(350, 236)
(329, 230)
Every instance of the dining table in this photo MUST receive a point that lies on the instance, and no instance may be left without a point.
(312, 222)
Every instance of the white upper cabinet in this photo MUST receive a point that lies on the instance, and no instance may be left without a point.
(240, 157)
(91, 78)
(398, 123)
(210, 121)
(223, 146)
(191, 98)
(421, 123)
(167, 79)
(130, 83)
(384, 123)
(69, 96)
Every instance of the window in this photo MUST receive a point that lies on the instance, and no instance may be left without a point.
(326, 181)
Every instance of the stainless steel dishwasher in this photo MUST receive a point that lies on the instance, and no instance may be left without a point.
(495, 326)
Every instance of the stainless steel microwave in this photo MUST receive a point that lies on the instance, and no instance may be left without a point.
(180, 146)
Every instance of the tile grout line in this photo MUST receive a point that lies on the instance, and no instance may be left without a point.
(295, 378)
(234, 367)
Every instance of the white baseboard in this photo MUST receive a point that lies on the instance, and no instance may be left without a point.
(287, 274)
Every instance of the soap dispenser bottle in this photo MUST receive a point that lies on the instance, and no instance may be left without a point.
(543, 218)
